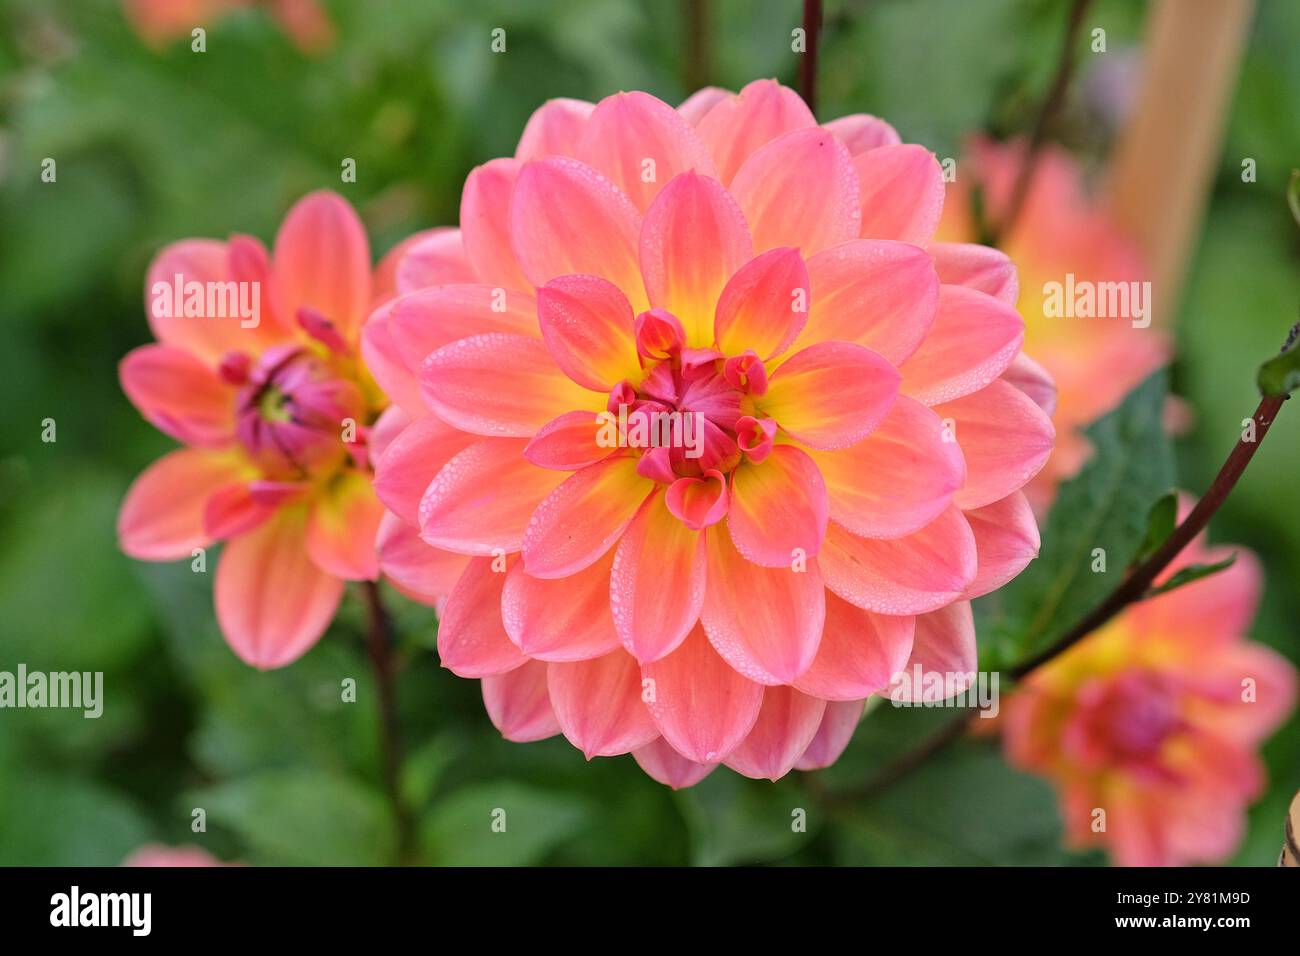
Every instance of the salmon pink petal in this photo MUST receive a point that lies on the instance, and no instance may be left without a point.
(1214, 609)
(703, 707)
(765, 622)
(698, 502)
(322, 262)
(245, 505)
(664, 764)
(598, 704)
(427, 573)
(568, 443)
(832, 394)
(342, 527)
(833, 736)
(179, 395)
(583, 517)
(800, 190)
(764, 306)
(778, 508)
(859, 654)
(587, 325)
(1006, 540)
(499, 384)
(426, 320)
(565, 619)
(207, 337)
(384, 361)
(973, 340)
(482, 498)
(472, 641)
(431, 257)
(1274, 680)
(901, 193)
(519, 705)
(861, 132)
(273, 602)
(392, 421)
(875, 292)
(639, 143)
(982, 268)
(162, 515)
(693, 240)
(405, 468)
(657, 556)
(485, 224)
(1034, 380)
(920, 572)
(701, 101)
(944, 645)
(554, 129)
(897, 479)
(1005, 439)
(787, 723)
(566, 219)
(736, 126)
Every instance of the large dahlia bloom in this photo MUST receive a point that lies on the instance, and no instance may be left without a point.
(851, 447)
(275, 409)
(1149, 728)
(1060, 231)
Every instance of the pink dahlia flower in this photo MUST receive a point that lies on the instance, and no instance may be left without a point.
(161, 855)
(1061, 231)
(1149, 728)
(841, 430)
(257, 372)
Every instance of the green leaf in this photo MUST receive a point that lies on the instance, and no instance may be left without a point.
(1293, 195)
(303, 818)
(1193, 572)
(1096, 526)
(1280, 375)
(736, 820)
(1161, 521)
(500, 824)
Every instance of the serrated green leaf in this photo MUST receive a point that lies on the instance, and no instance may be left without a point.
(1280, 375)
(1193, 572)
(1161, 521)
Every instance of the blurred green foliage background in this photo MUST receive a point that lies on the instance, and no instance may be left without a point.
(156, 145)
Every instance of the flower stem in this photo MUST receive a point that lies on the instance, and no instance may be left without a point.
(1046, 115)
(812, 26)
(379, 645)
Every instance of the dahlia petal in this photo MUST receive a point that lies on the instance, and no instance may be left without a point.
(519, 705)
(418, 570)
(582, 518)
(405, 468)
(974, 338)
(765, 622)
(472, 641)
(657, 555)
(800, 190)
(1213, 609)
(875, 292)
(485, 223)
(897, 479)
(909, 575)
(982, 268)
(764, 305)
(322, 262)
(179, 395)
(860, 132)
(832, 394)
(1034, 380)
(665, 765)
(1004, 437)
(639, 143)
(1274, 680)
(499, 384)
(565, 619)
(944, 645)
(481, 500)
(568, 443)
(599, 706)
(703, 707)
(161, 518)
(273, 602)
(554, 129)
(566, 219)
(234, 510)
(860, 652)
(693, 239)
(778, 508)
(833, 736)
(392, 421)
(901, 192)
(701, 101)
(384, 361)
(737, 126)
(342, 527)
(424, 321)
(787, 723)
(429, 258)
(587, 326)
(1006, 540)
